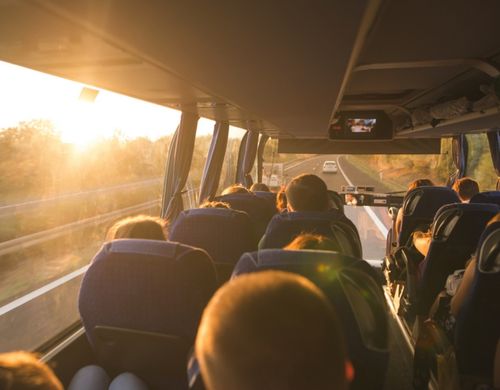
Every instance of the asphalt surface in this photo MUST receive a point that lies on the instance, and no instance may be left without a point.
(372, 222)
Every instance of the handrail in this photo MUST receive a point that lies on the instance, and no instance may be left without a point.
(24, 206)
(49, 234)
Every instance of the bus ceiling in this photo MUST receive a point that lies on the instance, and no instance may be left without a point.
(292, 75)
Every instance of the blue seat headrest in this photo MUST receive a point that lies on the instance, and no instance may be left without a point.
(356, 297)
(455, 236)
(285, 226)
(477, 329)
(488, 251)
(147, 285)
(225, 234)
(420, 206)
(487, 197)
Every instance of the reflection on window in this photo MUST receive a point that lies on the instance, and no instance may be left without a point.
(479, 163)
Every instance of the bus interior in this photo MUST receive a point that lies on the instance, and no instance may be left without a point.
(358, 84)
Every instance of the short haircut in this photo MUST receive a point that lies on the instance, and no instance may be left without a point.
(140, 226)
(307, 193)
(259, 187)
(271, 330)
(235, 189)
(466, 188)
(313, 241)
(23, 371)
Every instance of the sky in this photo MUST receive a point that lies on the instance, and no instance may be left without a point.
(26, 94)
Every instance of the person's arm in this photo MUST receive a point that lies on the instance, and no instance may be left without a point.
(463, 288)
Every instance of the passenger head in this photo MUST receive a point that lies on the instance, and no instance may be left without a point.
(465, 188)
(420, 183)
(307, 193)
(23, 371)
(214, 205)
(235, 189)
(313, 241)
(140, 226)
(281, 203)
(271, 330)
(259, 187)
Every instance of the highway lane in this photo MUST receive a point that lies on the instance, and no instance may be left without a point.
(372, 223)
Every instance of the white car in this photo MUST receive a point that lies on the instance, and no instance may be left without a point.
(330, 167)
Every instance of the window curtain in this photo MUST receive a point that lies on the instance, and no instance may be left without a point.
(494, 141)
(246, 158)
(178, 164)
(215, 159)
(460, 153)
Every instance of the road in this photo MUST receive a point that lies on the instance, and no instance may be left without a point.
(372, 222)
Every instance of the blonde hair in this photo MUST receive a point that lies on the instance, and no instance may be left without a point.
(214, 205)
(139, 226)
(22, 370)
(312, 241)
(420, 183)
(235, 189)
(271, 316)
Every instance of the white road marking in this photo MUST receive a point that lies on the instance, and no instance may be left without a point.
(376, 220)
(42, 290)
(299, 163)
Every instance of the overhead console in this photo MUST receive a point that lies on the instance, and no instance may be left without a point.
(362, 126)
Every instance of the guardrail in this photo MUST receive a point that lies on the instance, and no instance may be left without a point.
(28, 205)
(50, 234)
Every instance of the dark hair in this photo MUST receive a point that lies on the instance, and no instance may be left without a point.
(307, 193)
(235, 189)
(313, 241)
(22, 370)
(140, 226)
(259, 187)
(466, 188)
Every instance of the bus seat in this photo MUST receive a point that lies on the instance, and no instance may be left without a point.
(456, 232)
(269, 196)
(145, 292)
(477, 329)
(357, 298)
(487, 197)
(259, 210)
(224, 234)
(284, 227)
(419, 208)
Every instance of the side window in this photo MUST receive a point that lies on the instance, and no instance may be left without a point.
(479, 164)
(228, 173)
(69, 170)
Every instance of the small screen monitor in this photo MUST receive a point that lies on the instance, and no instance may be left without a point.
(361, 125)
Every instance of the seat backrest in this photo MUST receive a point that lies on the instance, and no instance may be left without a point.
(258, 209)
(149, 286)
(477, 328)
(284, 227)
(357, 298)
(456, 232)
(487, 197)
(419, 208)
(267, 195)
(225, 234)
